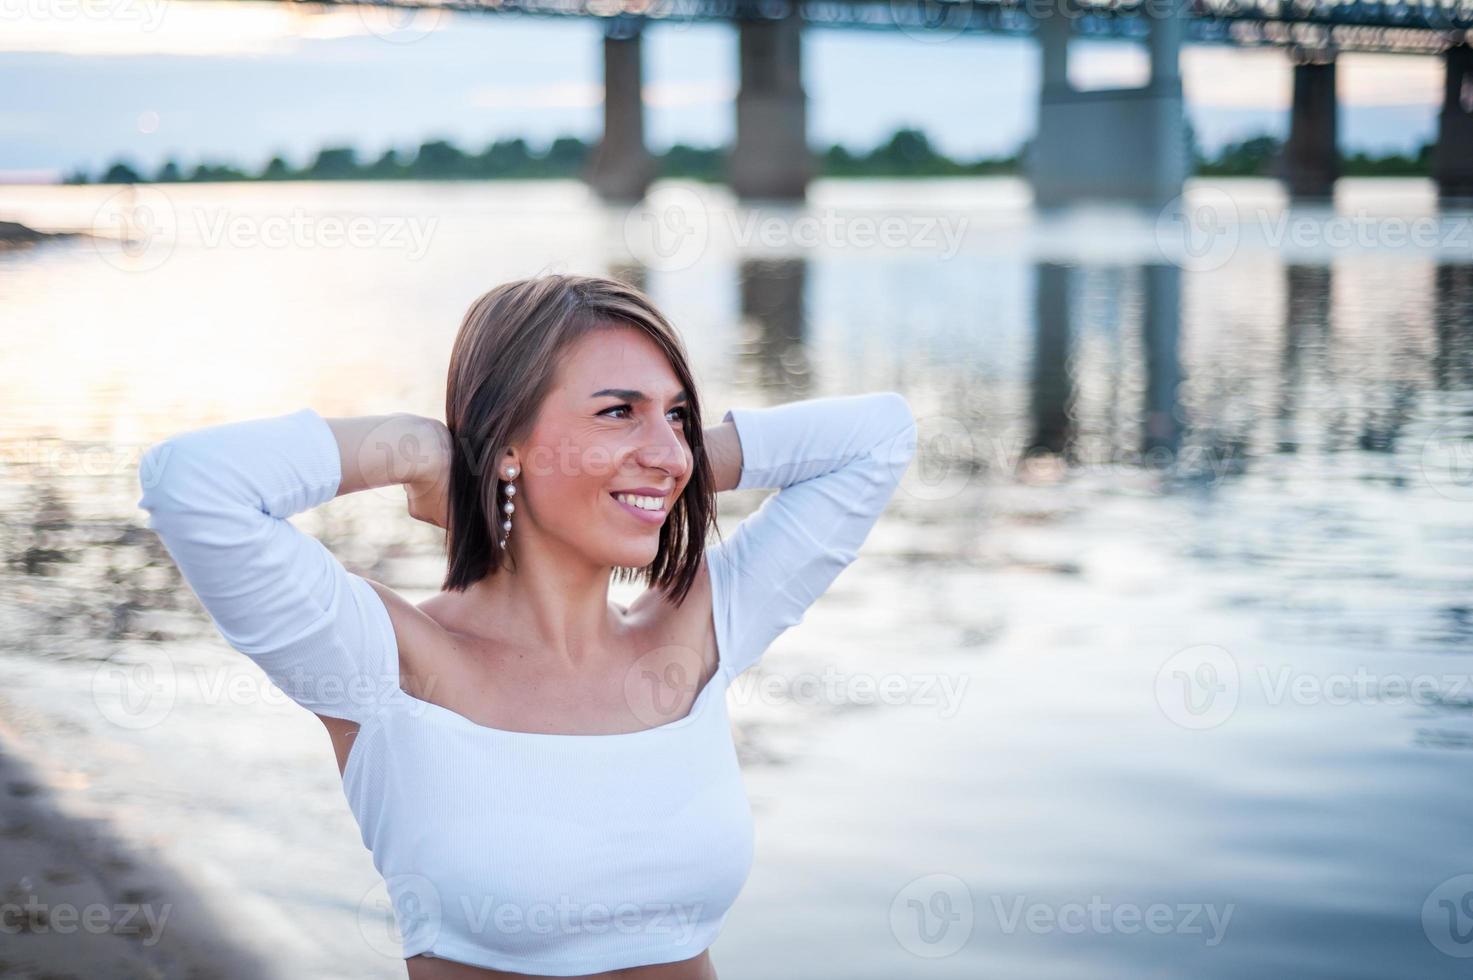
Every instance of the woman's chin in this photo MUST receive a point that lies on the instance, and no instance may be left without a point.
(637, 554)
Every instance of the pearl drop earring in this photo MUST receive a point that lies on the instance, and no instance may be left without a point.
(508, 507)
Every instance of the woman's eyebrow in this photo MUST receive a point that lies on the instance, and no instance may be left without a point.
(629, 394)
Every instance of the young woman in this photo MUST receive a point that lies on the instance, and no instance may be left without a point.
(545, 779)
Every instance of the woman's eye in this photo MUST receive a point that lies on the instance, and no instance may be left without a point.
(684, 413)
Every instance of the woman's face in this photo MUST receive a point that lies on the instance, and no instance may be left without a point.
(613, 422)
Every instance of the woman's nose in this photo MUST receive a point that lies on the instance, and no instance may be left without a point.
(664, 452)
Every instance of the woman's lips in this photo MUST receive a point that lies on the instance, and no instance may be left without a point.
(651, 517)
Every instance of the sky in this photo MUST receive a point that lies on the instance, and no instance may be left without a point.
(92, 81)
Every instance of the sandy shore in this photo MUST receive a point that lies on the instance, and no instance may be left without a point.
(76, 903)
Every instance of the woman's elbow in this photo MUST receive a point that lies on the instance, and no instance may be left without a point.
(165, 474)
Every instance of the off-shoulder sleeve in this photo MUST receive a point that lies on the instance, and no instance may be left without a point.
(836, 463)
(219, 498)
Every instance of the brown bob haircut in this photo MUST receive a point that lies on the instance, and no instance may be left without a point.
(502, 365)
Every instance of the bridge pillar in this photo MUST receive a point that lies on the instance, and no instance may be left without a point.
(1311, 161)
(620, 168)
(1452, 157)
(1053, 45)
(770, 159)
(1170, 163)
(1118, 144)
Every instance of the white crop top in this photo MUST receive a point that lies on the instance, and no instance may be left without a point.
(548, 854)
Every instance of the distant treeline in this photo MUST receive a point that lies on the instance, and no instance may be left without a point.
(908, 153)
(1255, 157)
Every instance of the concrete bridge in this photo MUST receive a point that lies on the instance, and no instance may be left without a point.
(1118, 144)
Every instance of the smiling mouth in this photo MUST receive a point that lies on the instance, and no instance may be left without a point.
(648, 515)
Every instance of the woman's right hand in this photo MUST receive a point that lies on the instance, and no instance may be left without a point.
(394, 450)
(428, 491)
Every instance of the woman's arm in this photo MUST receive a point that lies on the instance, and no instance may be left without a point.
(837, 462)
(387, 450)
(724, 452)
(219, 498)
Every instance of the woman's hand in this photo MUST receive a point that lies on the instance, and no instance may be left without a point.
(724, 451)
(393, 450)
(428, 491)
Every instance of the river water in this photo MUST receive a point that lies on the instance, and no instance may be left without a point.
(1157, 665)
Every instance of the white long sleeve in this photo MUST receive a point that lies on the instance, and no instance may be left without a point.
(836, 461)
(219, 497)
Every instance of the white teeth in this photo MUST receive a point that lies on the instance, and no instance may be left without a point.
(643, 503)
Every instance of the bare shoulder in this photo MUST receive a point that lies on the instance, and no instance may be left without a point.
(415, 626)
(421, 632)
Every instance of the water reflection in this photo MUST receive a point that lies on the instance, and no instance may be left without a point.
(1452, 359)
(775, 356)
(1053, 410)
(1266, 459)
(1051, 386)
(1161, 415)
(1306, 333)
